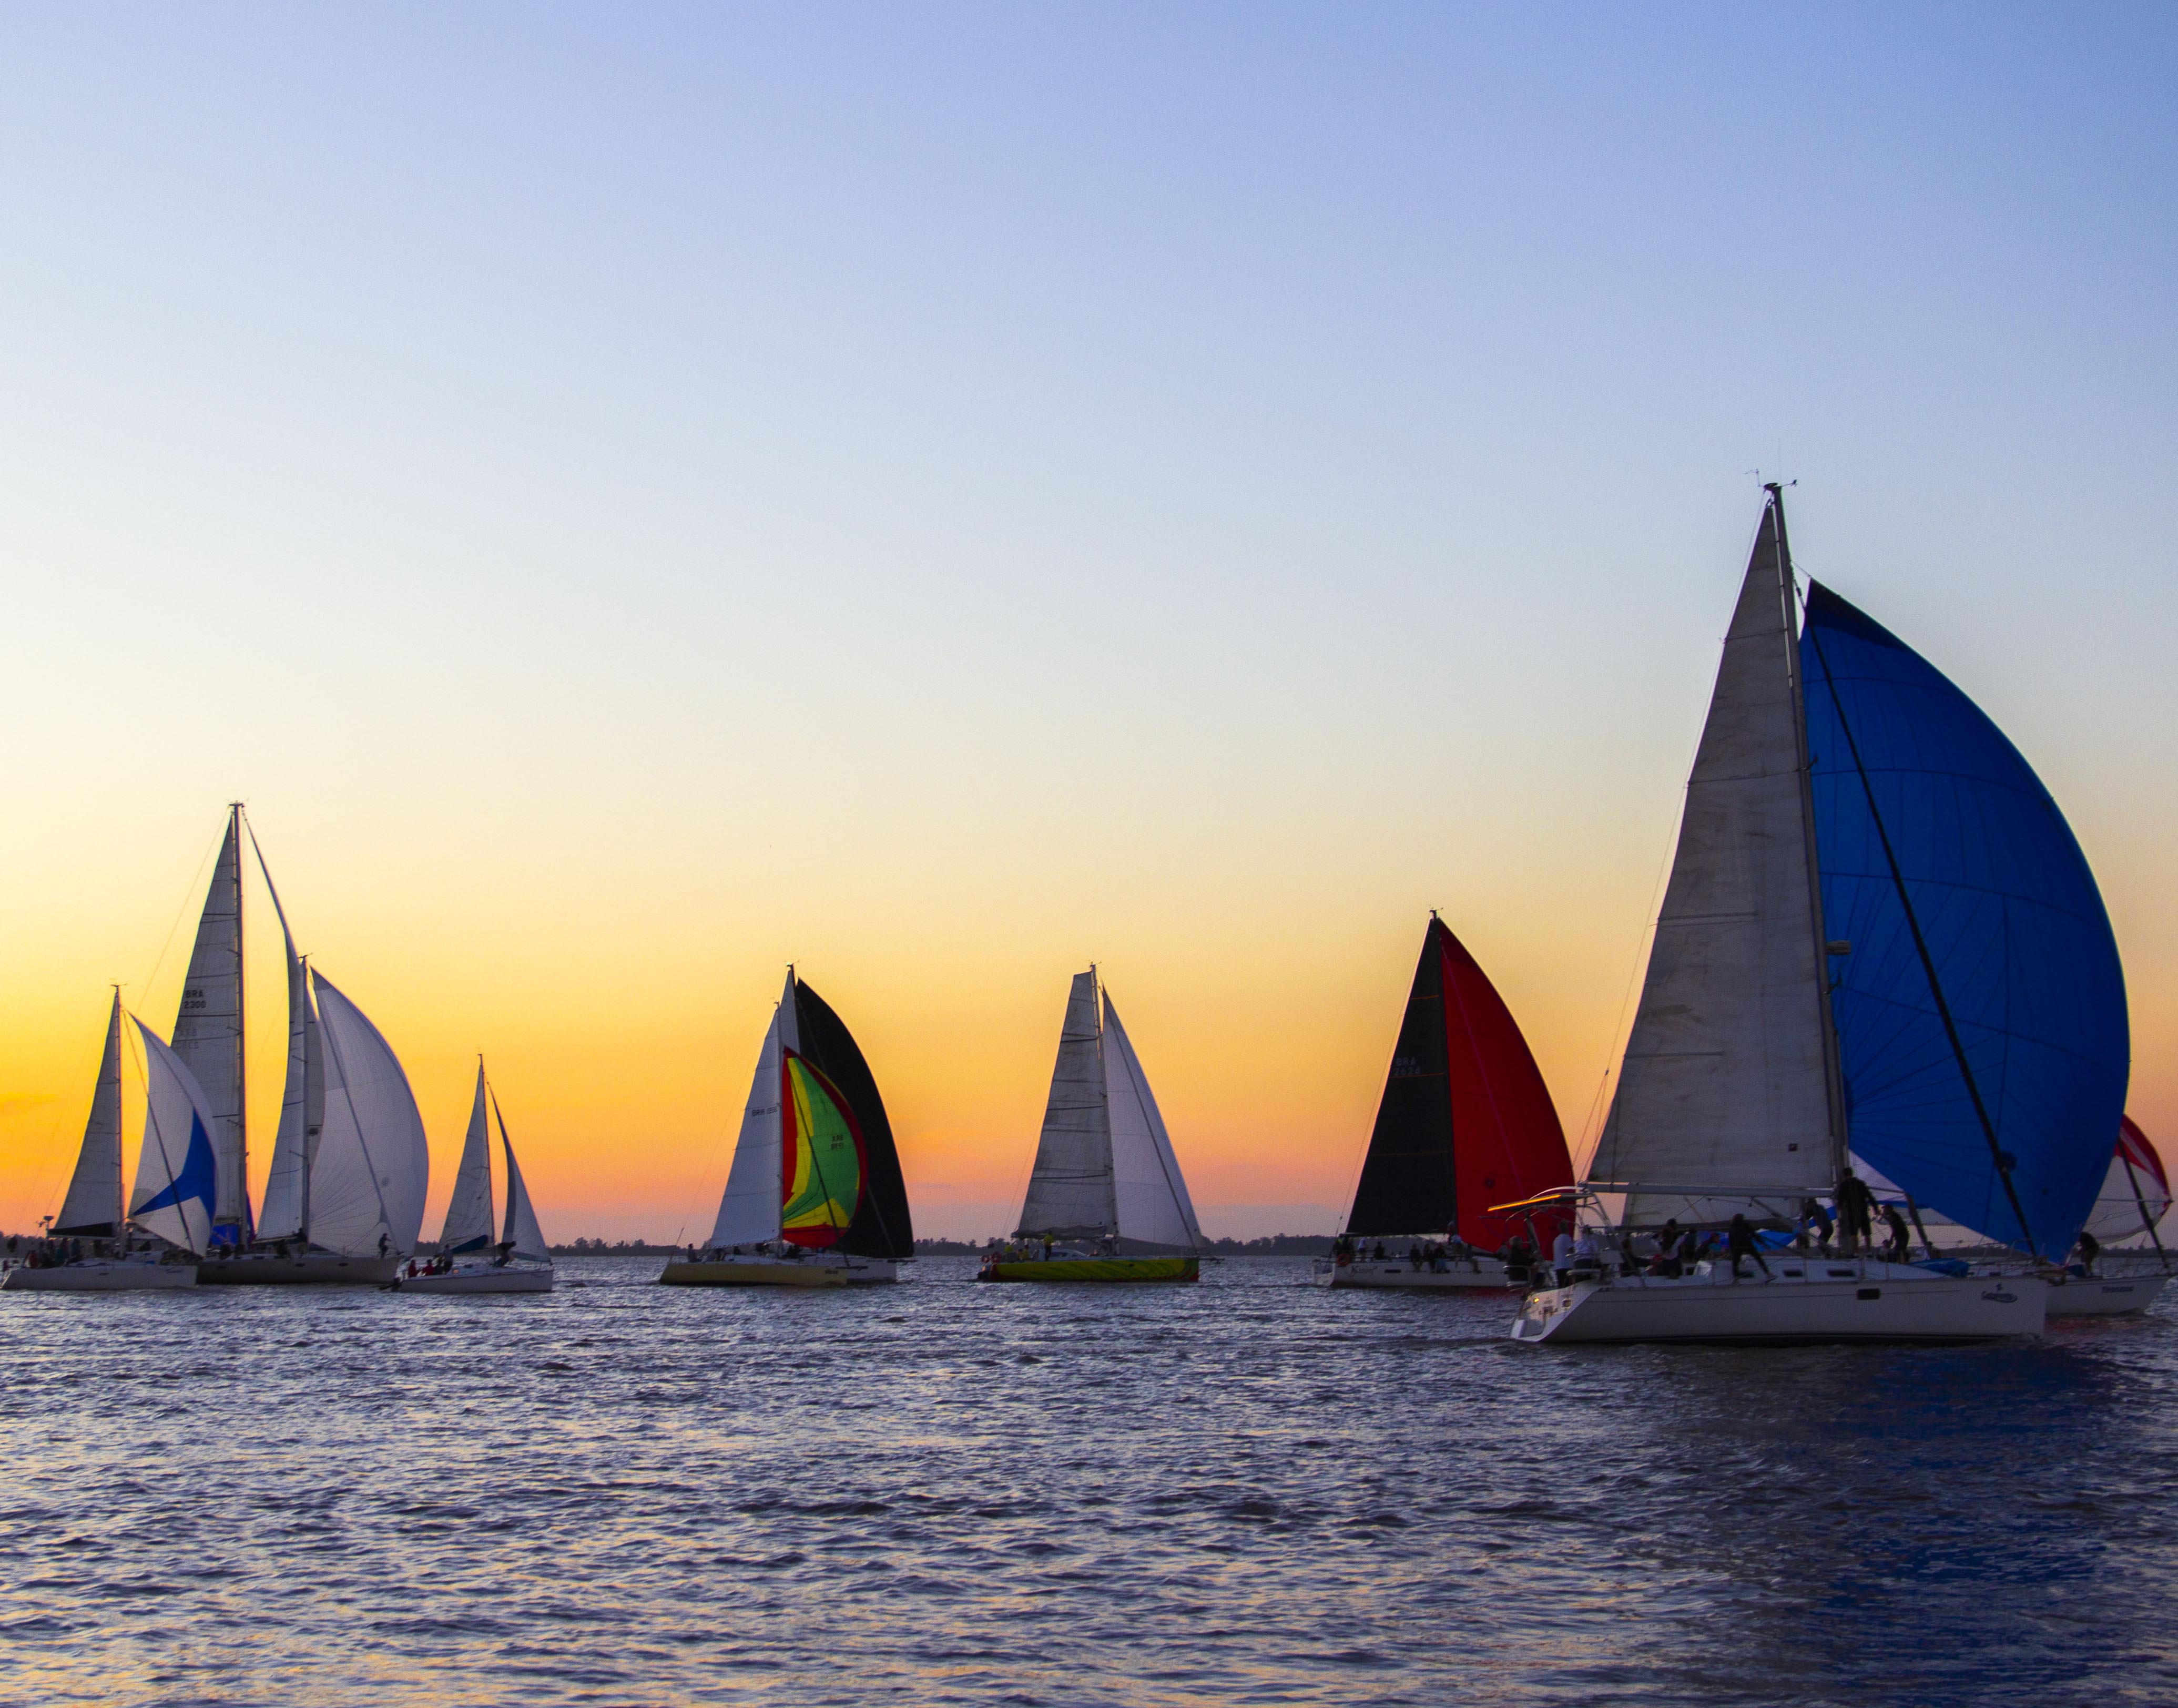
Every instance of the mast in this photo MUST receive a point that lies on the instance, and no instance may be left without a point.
(1833, 1069)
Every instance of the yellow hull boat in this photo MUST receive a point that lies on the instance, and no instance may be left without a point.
(1096, 1269)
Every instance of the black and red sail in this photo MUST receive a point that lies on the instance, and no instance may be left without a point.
(1466, 1121)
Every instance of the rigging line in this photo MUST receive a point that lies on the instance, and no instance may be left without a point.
(1921, 948)
(182, 911)
(509, 1143)
(1162, 1144)
(2140, 1199)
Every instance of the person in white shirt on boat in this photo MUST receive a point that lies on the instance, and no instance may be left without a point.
(1561, 1254)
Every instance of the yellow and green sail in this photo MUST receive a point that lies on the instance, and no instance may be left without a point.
(822, 1158)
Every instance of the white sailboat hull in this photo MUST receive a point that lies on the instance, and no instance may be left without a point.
(1851, 1299)
(302, 1269)
(99, 1275)
(2105, 1295)
(487, 1279)
(1487, 1275)
(755, 1269)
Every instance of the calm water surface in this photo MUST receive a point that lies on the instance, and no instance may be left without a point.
(1245, 1492)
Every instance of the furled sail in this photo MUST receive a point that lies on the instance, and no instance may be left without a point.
(1981, 1012)
(522, 1237)
(1465, 1121)
(749, 1210)
(1155, 1214)
(367, 1186)
(285, 1213)
(176, 1171)
(2136, 1193)
(1069, 1189)
(93, 1206)
(1725, 1099)
(881, 1225)
(208, 1031)
(468, 1211)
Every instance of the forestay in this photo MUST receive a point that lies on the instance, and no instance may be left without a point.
(373, 1166)
(176, 1172)
(1724, 1100)
(749, 1210)
(285, 1213)
(522, 1237)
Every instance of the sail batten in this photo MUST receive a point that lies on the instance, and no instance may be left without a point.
(1071, 1193)
(94, 1204)
(1727, 1083)
(208, 1031)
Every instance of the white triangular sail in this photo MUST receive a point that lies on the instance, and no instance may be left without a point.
(1724, 1102)
(1154, 1210)
(176, 1172)
(94, 1202)
(468, 1212)
(373, 1167)
(1071, 1189)
(208, 1029)
(285, 1213)
(522, 1237)
(749, 1210)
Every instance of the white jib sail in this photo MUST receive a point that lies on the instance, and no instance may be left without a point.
(749, 1210)
(522, 1237)
(208, 1029)
(286, 1209)
(1723, 1100)
(94, 1201)
(373, 1167)
(1069, 1189)
(468, 1211)
(1154, 1209)
(176, 1172)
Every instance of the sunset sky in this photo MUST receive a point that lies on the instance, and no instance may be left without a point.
(634, 496)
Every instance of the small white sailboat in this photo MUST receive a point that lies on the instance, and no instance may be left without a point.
(814, 1197)
(2135, 1198)
(1729, 1101)
(94, 1245)
(470, 1259)
(1106, 1200)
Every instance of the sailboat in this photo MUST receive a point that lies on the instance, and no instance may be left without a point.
(1465, 1122)
(96, 1245)
(1730, 1101)
(814, 1197)
(516, 1261)
(344, 1201)
(1982, 1035)
(1106, 1200)
(2134, 1198)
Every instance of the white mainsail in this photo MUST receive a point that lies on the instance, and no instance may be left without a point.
(176, 1172)
(749, 1210)
(285, 1211)
(1070, 1189)
(208, 1029)
(1153, 1206)
(1725, 1098)
(368, 1183)
(468, 1211)
(94, 1202)
(522, 1237)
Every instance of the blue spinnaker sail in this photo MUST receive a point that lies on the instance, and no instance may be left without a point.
(1981, 1009)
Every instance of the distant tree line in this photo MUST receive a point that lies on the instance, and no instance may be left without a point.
(1269, 1245)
